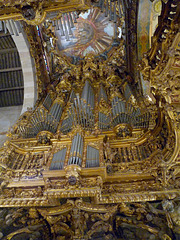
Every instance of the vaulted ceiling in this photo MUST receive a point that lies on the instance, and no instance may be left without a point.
(11, 78)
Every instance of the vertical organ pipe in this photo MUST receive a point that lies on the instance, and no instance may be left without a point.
(110, 12)
(18, 25)
(65, 28)
(10, 27)
(76, 150)
(71, 20)
(107, 6)
(68, 23)
(61, 27)
(74, 17)
(14, 27)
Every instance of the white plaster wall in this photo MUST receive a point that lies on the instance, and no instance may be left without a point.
(28, 69)
(8, 116)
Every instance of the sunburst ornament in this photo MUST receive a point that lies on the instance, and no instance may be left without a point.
(93, 33)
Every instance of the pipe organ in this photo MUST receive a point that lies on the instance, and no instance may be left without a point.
(86, 152)
(43, 119)
(123, 112)
(80, 113)
(95, 158)
(117, 114)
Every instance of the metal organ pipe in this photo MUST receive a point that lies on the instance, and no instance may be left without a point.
(119, 106)
(92, 98)
(10, 27)
(74, 17)
(110, 12)
(116, 106)
(77, 112)
(71, 113)
(73, 151)
(52, 110)
(5, 27)
(71, 20)
(89, 97)
(74, 114)
(58, 160)
(61, 27)
(37, 119)
(59, 113)
(81, 111)
(112, 109)
(77, 16)
(65, 28)
(78, 155)
(77, 145)
(68, 23)
(53, 114)
(18, 25)
(102, 94)
(114, 15)
(92, 157)
(64, 155)
(107, 6)
(56, 110)
(85, 91)
(42, 120)
(14, 27)
(87, 157)
(81, 148)
(123, 112)
(76, 150)
(102, 6)
(57, 25)
(100, 121)
(72, 147)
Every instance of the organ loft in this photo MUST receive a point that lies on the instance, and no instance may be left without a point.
(96, 156)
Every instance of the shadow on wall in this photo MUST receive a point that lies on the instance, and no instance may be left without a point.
(8, 116)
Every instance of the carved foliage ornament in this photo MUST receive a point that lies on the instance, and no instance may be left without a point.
(82, 220)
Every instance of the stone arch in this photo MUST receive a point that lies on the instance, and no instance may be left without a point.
(28, 69)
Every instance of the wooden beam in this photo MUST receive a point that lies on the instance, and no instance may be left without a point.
(3, 34)
(11, 88)
(8, 50)
(10, 69)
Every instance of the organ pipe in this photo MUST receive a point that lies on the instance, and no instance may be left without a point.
(81, 112)
(65, 28)
(92, 157)
(76, 150)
